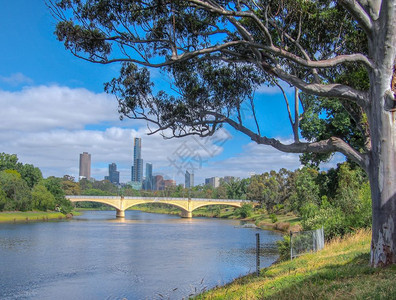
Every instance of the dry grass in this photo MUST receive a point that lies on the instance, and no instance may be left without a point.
(340, 271)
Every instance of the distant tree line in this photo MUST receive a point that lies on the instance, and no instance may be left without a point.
(338, 199)
(23, 188)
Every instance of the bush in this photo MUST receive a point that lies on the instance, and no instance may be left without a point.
(245, 211)
(284, 248)
(273, 218)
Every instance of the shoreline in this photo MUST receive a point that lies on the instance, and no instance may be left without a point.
(285, 224)
(9, 217)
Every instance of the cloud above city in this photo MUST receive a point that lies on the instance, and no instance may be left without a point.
(49, 126)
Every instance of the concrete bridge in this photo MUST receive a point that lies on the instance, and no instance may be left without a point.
(187, 205)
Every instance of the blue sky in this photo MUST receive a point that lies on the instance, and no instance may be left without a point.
(53, 108)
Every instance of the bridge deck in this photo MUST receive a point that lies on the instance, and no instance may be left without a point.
(185, 204)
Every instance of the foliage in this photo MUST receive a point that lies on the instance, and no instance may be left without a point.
(306, 189)
(283, 246)
(54, 186)
(237, 189)
(245, 211)
(3, 199)
(273, 218)
(29, 173)
(17, 192)
(42, 199)
(270, 188)
(349, 209)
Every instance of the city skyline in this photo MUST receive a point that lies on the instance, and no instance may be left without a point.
(63, 114)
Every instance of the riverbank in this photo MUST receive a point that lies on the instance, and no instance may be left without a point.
(283, 222)
(33, 216)
(339, 271)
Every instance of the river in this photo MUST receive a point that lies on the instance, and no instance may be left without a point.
(144, 256)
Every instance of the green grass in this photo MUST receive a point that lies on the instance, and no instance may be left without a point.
(340, 271)
(18, 216)
(156, 210)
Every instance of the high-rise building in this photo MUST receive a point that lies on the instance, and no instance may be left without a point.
(213, 181)
(85, 166)
(137, 168)
(148, 182)
(168, 183)
(158, 183)
(114, 175)
(189, 179)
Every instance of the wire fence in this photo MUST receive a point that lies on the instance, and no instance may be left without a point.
(306, 241)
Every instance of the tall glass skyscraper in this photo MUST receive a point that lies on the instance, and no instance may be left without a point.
(189, 179)
(137, 168)
(148, 185)
(114, 175)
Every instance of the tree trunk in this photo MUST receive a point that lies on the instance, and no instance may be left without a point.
(382, 170)
(382, 174)
(381, 115)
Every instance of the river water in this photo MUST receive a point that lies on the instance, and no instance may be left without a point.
(144, 256)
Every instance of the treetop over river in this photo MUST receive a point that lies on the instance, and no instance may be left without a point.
(338, 55)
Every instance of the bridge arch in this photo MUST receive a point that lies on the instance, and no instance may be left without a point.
(222, 204)
(103, 201)
(150, 202)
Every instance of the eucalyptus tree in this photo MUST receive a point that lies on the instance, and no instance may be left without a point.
(218, 52)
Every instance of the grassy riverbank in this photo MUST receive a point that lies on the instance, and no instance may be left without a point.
(284, 222)
(340, 271)
(27, 216)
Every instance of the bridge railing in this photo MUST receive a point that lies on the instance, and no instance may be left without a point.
(91, 197)
(157, 198)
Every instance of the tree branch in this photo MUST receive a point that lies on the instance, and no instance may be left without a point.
(323, 90)
(332, 144)
(360, 15)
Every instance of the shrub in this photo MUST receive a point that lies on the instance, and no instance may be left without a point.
(273, 218)
(284, 248)
(245, 211)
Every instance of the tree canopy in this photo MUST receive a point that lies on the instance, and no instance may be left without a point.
(338, 55)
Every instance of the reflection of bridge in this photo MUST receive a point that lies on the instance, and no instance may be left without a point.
(186, 205)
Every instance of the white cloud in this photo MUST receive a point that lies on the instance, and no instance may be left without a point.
(16, 79)
(49, 126)
(49, 107)
(272, 90)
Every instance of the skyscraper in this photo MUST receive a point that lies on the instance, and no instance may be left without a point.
(85, 166)
(114, 175)
(189, 179)
(137, 168)
(149, 177)
(213, 181)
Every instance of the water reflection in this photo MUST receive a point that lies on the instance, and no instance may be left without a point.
(144, 256)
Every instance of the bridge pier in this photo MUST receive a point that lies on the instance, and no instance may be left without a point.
(186, 214)
(120, 213)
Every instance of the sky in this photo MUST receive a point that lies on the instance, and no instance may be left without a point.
(53, 107)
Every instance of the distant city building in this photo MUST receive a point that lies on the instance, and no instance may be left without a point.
(135, 185)
(158, 183)
(85, 166)
(228, 179)
(137, 168)
(213, 182)
(148, 181)
(114, 175)
(188, 179)
(168, 183)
